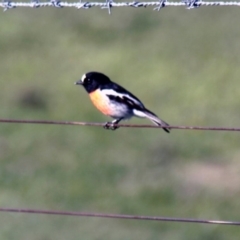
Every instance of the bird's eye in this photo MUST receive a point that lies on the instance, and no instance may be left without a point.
(88, 80)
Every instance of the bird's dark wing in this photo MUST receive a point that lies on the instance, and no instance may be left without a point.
(121, 95)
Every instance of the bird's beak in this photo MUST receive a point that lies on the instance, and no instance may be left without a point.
(79, 82)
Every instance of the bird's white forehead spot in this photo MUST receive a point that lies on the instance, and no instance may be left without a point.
(83, 77)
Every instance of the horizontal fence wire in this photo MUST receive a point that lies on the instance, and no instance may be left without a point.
(17, 121)
(7, 4)
(118, 216)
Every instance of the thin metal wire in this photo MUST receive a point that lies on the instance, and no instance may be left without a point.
(7, 4)
(119, 216)
(233, 129)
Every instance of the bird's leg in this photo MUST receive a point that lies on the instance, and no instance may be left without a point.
(110, 125)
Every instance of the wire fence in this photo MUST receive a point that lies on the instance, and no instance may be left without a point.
(119, 216)
(17, 121)
(7, 4)
(109, 4)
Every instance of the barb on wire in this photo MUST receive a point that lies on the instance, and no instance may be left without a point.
(109, 5)
(161, 5)
(119, 216)
(233, 129)
(192, 3)
(56, 3)
(8, 4)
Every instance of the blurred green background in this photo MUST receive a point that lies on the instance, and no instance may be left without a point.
(183, 64)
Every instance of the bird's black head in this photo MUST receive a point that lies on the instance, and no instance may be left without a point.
(93, 80)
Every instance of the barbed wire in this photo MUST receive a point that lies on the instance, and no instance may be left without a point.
(8, 4)
(233, 129)
(119, 216)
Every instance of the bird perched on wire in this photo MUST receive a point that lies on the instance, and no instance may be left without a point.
(115, 101)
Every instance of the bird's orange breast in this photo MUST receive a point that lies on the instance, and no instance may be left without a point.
(101, 102)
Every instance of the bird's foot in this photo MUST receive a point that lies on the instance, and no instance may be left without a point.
(110, 126)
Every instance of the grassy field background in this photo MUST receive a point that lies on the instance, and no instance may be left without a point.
(183, 64)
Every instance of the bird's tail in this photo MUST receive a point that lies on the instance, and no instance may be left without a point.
(154, 118)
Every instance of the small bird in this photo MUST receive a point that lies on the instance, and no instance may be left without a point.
(115, 101)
